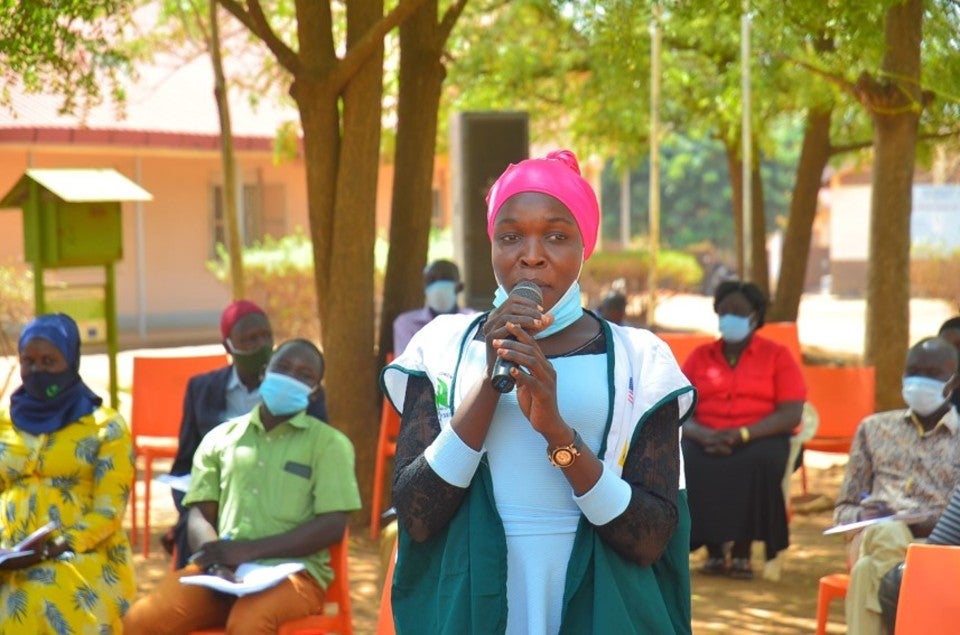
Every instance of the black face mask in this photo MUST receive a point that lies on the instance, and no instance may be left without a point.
(252, 363)
(44, 385)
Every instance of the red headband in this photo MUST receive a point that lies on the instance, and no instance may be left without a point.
(232, 314)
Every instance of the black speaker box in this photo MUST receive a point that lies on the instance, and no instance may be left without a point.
(482, 145)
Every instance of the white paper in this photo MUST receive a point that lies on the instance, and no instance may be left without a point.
(24, 550)
(907, 517)
(34, 538)
(252, 578)
(180, 483)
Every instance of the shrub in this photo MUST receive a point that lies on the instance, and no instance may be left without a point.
(16, 309)
(278, 275)
(936, 276)
(679, 271)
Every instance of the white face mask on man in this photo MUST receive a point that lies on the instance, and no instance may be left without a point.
(441, 296)
(923, 395)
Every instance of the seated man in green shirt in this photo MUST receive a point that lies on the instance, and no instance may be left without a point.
(273, 486)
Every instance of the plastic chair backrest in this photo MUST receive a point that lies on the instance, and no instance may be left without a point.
(842, 395)
(929, 599)
(385, 624)
(785, 334)
(682, 344)
(159, 384)
(386, 448)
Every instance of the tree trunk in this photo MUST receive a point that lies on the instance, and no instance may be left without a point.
(348, 329)
(735, 170)
(231, 220)
(758, 269)
(895, 104)
(421, 79)
(814, 155)
(341, 174)
(760, 274)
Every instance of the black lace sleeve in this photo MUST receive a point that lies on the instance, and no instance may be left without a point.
(425, 502)
(652, 469)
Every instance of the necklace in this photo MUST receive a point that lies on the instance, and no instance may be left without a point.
(584, 345)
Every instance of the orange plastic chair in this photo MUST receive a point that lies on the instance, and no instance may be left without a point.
(832, 586)
(386, 449)
(843, 396)
(337, 593)
(929, 599)
(159, 384)
(785, 334)
(682, 344)
(385, 624)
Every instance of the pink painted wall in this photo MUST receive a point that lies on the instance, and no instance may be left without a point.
(177, 289)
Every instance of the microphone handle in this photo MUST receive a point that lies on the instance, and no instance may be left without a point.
(501, 379)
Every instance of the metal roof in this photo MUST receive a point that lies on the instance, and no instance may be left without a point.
(78, 186)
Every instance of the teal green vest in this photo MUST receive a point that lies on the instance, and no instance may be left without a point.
(455, 582)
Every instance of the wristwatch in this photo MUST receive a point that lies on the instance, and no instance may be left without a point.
(565, 455)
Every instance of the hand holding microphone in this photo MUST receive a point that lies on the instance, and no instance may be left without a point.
(500, 378)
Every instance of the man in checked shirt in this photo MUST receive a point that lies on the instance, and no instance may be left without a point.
(901, 461)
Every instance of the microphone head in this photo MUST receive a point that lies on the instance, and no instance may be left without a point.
(529, 290)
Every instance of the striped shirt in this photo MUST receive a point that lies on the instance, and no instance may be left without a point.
(947, 530)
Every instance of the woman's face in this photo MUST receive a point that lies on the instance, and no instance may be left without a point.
(40, 355)
(736, 304)
(536, 238)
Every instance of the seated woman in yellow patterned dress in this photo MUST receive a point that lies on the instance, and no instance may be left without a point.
(66, 459)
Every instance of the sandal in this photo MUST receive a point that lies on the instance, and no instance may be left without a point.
(740, 569)
(714, 566)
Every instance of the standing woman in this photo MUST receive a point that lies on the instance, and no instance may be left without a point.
(554, 507)
(67, 459)
(750, 398)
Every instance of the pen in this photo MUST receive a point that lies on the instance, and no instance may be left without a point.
(199, 552)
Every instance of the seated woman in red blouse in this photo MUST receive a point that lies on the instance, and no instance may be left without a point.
(735, 447)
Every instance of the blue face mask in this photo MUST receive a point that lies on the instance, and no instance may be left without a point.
(283, 395)
(565, 312)
(441, 296)
(734, 328)
(923, 395)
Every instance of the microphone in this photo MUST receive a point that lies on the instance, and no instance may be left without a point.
(500, 378)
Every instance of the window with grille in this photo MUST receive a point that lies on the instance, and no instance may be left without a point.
(263, 211)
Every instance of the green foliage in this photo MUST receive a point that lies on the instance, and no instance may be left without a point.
(279, 276)
(72, 48)
(695, 197)
(677, 271)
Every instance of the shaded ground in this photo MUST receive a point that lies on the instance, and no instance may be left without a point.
(720, 605)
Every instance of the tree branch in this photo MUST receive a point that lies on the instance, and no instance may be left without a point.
(850, 147)
(450, 18)
(257, 23)
(925, 136)
(838, 80)
(863, 145)
(366, 45)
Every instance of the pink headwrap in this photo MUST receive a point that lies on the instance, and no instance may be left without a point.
(557, 175)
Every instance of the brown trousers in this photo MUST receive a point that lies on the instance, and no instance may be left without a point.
(172, 608)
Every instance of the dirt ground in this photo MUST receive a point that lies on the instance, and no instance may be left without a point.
(720, 605)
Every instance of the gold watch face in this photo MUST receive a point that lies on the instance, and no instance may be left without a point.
(562, 457)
